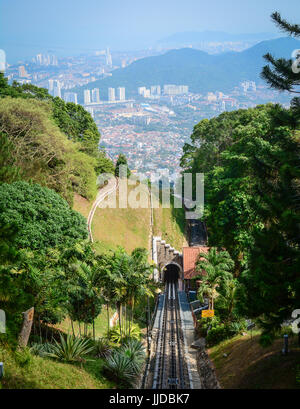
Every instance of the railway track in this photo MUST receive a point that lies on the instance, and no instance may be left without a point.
(170, 370)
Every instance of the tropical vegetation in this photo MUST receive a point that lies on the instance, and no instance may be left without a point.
(251, 163)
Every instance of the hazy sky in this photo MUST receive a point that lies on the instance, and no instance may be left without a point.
(71, 26)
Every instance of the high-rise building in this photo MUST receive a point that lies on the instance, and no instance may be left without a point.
(70, 97)
(22, 72)
(171, 89)
(146, 93)
(57, 89)
(108, 58)
(141, 90)
(39, 59)
(111, 94)
(46, 59)
(50, 85)
(155, 90)
(211, 97)
(87, 96)
(95, 95)
(121, 93)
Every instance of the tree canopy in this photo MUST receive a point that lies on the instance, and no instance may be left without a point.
(41, 217)
(251, 163)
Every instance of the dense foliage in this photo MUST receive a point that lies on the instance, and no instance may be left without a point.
(41, 217)
(48, 141)
(251, 163)
(122, 161)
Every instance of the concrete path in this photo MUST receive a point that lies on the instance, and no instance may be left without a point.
(105, 191)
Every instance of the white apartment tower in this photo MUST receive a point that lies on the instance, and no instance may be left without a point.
(155, 89)
(108, 58)
(70, 97)
(95, 95)
(111, 94)
(57, 89)
(121, 93)
(87, 96)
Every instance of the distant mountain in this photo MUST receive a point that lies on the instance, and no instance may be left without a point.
(193, 37)
(200, 71)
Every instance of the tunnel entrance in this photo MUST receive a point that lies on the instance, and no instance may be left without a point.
(171, 273)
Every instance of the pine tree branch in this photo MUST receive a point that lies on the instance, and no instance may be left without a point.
(291, 29)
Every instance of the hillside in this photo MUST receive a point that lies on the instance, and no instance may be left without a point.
(129, 228)
(133, 225)
(200, 71)
(241, 363)
(41, 373)
(193, 37)
(169, 223)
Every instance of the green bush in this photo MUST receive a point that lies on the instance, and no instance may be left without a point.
(23, 357)
(216, 331)
(71, 349)
(120, 368)
(37, 150)
(41, 217)
(116, 336)
(135, 351)
(266, 340)
(216, 335)
(42, 350)
(102, 348)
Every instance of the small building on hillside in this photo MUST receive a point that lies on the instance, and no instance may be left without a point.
(190, 257)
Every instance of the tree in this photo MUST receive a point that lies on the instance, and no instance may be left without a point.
(42, 218)
(104, 164)
(121, 161)
(215, 268)
(73, 120)
(281, 74)
(35, 149)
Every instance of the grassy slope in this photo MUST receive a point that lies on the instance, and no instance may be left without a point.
(43, 373)
(128, 228)
(249, 366)
(169, 224)
(100, 324)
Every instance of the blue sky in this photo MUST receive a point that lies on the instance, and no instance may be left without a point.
(72, 26)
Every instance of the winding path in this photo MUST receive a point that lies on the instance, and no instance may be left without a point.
(111, 186)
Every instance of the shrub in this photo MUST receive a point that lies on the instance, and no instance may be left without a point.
(266, 340)
(135, 351)
(215, 331)
(41, 152)
(42, 350)
(119, 367)
(41, 217)
(23, 357)
(71, 349)
(102, 348)
(116, 336)
(216, 335)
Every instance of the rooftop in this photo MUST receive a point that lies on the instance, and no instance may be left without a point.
(190, 256)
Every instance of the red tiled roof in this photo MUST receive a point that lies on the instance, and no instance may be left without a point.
(190, 256)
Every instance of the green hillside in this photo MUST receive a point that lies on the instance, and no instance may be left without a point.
(200, 71)
(129, 228)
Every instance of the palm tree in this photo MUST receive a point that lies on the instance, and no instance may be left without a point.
(215, 269)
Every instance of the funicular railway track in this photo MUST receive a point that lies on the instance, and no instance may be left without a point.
(170, 371)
